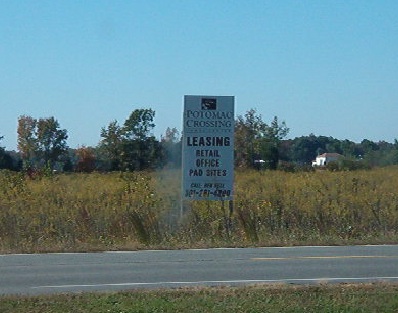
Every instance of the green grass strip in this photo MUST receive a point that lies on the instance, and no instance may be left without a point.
(261, 298)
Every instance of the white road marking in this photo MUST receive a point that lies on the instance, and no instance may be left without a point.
(326, 257)
(226, 282)
(204, 249)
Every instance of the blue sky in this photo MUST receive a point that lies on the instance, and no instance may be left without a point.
(325, 67)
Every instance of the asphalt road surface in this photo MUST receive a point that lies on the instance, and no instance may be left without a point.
(110, 271)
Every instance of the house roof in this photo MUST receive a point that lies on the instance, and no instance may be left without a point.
(330, 155)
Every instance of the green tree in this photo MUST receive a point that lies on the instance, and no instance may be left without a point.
(140, 149)
(6, 161)
(348, 148)
(395, 151)
(368, 146)
(171, 147)
(255, 140)
(249, 128)
(40, 142)
(111, 144)
(304, 149)
(139, 124)
(381, 153)
(270, 143)
(51, 140)
(132, 146)
(277, 131)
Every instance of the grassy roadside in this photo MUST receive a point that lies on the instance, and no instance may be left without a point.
(129, 211)
(261, 298)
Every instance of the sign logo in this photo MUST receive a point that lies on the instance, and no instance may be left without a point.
(209, 104)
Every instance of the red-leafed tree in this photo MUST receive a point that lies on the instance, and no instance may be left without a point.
(86, 159)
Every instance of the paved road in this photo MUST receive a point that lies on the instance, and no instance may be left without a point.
(57, 273)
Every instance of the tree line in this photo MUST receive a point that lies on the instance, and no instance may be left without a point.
(131, 146)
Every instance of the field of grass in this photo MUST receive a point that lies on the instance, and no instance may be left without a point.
(92, 212)
(284, 298)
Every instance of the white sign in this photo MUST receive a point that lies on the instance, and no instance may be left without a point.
(208, 148)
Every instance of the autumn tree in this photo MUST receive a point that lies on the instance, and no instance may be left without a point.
(27, 141)
(85, 159)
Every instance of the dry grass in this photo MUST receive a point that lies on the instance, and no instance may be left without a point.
(88, 212)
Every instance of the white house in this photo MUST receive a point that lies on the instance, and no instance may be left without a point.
(324, 159)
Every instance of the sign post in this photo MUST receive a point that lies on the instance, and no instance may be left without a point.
(208, 148)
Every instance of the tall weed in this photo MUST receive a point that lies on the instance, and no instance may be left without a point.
(66, 212)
